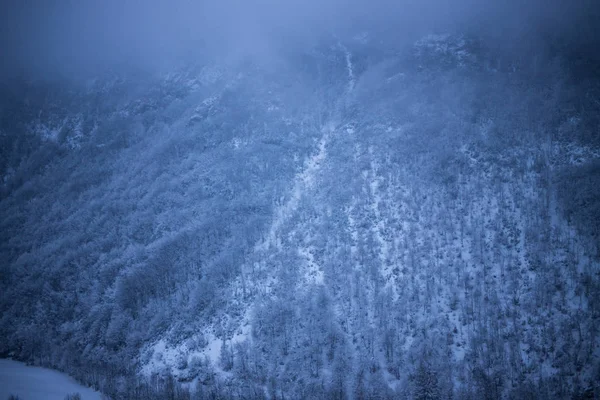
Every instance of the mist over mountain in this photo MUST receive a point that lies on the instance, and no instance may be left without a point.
(60, 38)
(285, 199)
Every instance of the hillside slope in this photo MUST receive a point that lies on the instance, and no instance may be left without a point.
(353, 221)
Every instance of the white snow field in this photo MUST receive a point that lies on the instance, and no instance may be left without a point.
(36, 383)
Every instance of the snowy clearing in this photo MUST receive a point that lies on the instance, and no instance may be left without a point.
(37, 383)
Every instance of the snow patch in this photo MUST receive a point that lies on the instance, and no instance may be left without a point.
(209, 101)
(314, 273)
(303, 181)
(37, 383)
(175, 359)
(209, 75)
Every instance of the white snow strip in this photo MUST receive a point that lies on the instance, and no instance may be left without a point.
(351, 80)
(349, 67)
(303, 181)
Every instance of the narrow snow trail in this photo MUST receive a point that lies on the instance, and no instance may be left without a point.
(350, 70)
(265, 279)
(303, 181)
(36, 383)
(349, 67)
(313, 273)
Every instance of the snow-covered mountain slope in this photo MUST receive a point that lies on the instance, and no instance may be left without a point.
(352, 223)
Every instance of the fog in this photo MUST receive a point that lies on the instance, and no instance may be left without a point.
(48, 38)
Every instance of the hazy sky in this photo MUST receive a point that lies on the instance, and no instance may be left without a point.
(48, 37)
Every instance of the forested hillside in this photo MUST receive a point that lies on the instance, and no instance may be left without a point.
(357, 218)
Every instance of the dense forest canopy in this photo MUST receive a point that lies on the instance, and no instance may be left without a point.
(301, 200)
